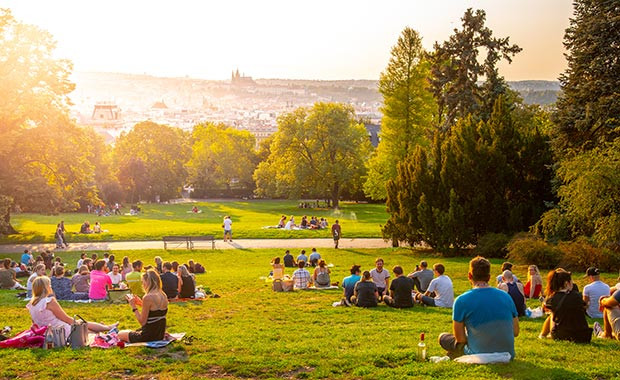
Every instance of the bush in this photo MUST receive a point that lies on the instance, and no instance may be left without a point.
(492, 245)
(580, 254)
(528, 249)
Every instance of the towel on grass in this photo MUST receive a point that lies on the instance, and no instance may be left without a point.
(159, 343)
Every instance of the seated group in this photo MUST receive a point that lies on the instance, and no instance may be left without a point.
(313, 224)
(301, 277)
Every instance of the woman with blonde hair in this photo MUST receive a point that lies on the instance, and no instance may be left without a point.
(152, 317)
(533, 287)
(187, 285)
(321, 277)
(45, 310)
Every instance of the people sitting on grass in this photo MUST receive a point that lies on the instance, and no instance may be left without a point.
(282, 222)
(134, 279)
(289, 260)
(20, 269)
(126, 267)
(27, 258)
(514, 290)
(314, 223)
(323, 223)
(152, 317)
(304, 222)
(381, 277)
(400, 290)
(593, 292)
(8, 277)
(111, 262)
(611, 317)
(158, 264)
(85, 228)
(97, 228)
(301, 277)
(80, 261)
(365, 293)
(195, 267)
(61, 286)
(290, 224)
(302, 256)
(348, 285)
(81, 280)
(277, 271)
(321, 277)
(314, 257)
(422, 276)
(568, 317)
(46, 311)
(39, 270)
(100, 282)
(506, 266)
(485, 319)
(169, 281)
(195, 209)
(533, 286)
(187, 284)
(441, 287)
(115, 276)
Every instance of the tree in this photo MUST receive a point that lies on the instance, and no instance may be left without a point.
(44, 162)
(316, 152)
(482, 176)
(408, 109)
(456, 70)
(589, 104)
(221, 157)
(151, 161)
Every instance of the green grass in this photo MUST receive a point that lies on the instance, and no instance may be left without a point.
(253, 332)
(155, 221)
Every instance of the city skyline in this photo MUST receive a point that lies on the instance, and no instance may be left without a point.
(276, 39)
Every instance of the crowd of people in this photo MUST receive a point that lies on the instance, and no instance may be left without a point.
(301, 277)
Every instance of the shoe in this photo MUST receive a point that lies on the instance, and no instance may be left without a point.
(598, 330)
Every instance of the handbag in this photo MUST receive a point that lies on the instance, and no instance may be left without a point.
(59, 336)
(79, 332)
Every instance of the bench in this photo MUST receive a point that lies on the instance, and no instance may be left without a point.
(188, 240)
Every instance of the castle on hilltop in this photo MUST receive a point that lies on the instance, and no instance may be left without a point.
(241, 80)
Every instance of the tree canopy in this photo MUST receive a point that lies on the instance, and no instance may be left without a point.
(316, 152)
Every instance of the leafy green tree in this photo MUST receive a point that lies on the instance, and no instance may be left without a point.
(408, 109)
(483, 176)
(151, 161)
(457, 69)
(222, 157)
(588, 107)
(316, 152)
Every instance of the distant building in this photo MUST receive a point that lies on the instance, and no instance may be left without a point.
(106, 114)
(241, 80)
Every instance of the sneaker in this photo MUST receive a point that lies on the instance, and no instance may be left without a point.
(346, 302)
(598, 330)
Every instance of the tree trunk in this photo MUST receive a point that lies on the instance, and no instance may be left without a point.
(5, 216)
(335, 195)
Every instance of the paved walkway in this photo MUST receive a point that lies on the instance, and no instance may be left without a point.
(219, 244)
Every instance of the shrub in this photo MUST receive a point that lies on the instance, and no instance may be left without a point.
(528, 249)
(580, 254)
(492, 245)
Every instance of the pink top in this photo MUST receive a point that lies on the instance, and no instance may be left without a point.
(41, 316)
(98, 282)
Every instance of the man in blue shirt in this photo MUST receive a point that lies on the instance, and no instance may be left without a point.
(484, 318)
(314, 257)
(302, 256)
(27, 258)
(348, 284)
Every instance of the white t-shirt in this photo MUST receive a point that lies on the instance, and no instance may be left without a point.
(288, 225)
(227, 224)
(444, 293)
(594, 291)
(79, 263)
(116, 278)
(379, 277)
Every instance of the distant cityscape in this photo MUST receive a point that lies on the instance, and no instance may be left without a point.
(115, 102)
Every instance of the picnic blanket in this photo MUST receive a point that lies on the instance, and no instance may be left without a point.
(159, 343)
(110, 340)
(323, 288)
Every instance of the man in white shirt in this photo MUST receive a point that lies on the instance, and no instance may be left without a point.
(227, 225)
(381, 277)
(594, 291)
(441, 286)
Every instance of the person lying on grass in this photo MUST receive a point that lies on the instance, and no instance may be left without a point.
(45, 310)
(568, 315)
(152, 317)
(484, 318)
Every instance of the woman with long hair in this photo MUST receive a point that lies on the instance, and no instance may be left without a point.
(45, 310)
(568, 315)
(278, 269)
(321, 277)
(126, 268)
(533, 286)
(152, 317)
(187, 285)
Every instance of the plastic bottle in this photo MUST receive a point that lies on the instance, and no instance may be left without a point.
(422, 349)
(48, 344)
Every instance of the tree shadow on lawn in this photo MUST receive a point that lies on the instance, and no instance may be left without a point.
(527, 370)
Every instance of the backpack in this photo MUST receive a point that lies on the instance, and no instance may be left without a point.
(322, 279)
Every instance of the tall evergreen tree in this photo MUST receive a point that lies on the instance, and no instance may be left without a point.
(408, 109)
(588, 109)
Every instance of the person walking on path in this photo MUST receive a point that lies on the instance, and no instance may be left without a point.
(336, 232)
(227, 226)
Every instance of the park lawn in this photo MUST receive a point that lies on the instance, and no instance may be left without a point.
(157, 220)
(252, 332)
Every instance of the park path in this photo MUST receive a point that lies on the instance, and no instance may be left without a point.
(219, 244)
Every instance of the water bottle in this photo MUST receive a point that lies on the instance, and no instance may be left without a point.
(528, 312)
(422, 349)
(48, 344)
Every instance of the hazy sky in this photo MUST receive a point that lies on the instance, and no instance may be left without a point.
(298, 39)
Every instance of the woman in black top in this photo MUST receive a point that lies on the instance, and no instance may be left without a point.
(187, 285)
(567, 308)
(365, 293)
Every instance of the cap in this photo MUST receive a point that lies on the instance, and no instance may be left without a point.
(592, 271)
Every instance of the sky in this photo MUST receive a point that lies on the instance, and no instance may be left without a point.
(300, 39)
